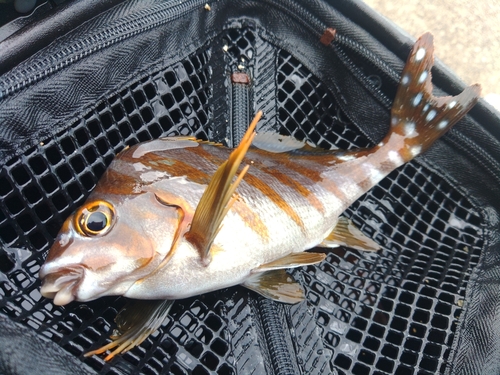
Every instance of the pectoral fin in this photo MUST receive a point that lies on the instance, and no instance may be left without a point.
(346, 234)
(292, 261)
(136, 321)
(218, 197)
(276, 285)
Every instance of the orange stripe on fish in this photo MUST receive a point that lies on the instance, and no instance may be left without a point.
(275, 197)
(301, 189)
(251, 219)
(114, 182)
(315, 175)
(295, 185)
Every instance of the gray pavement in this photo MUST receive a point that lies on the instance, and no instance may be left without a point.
(466, 35)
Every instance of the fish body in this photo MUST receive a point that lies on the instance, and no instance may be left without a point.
(168, 220)
(278, 210)
(287, 202)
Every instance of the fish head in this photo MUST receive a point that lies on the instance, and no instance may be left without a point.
(106, 246)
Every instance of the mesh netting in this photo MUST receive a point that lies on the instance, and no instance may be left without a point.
(390, 312)
(394, 312)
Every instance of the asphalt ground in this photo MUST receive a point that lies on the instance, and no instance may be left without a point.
(466, 35)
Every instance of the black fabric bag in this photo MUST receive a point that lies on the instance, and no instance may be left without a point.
(322, 70)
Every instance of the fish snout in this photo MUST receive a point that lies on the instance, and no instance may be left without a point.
(60, 285)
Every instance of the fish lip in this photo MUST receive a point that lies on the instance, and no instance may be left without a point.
(61, 285)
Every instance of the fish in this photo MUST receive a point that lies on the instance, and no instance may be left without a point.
(178, 217)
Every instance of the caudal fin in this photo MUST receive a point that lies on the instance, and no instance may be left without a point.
(417, 114)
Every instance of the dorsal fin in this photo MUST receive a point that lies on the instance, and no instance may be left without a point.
(217, 198)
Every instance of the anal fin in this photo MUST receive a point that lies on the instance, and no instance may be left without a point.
(291, 261)
(346, 234)
(276, 285)
(136, 321)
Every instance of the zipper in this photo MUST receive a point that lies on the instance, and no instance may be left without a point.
(344, 43)
(144, 20)
(316, 26)
(240, 106)
(276, 335)
(124, 28)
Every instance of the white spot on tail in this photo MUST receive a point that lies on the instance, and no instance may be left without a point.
(420, 54)
(405, 79)
(409, 128)
(416, 150)
(423, 76)
(443, 124)
(394, 120)
(430, 116)
(346, 157)
(373, 172)
(452, 104)
(417, 99)
(395, 158)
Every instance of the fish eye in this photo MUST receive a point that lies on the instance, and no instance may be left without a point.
(95, 218)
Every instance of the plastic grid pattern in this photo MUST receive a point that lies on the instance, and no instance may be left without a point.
(43, 186)
(392, 312)
(239, 45)
(307, 110)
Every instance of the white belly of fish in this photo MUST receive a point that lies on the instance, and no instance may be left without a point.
(237, 251)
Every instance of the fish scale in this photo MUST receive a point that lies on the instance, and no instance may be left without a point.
(176, 217)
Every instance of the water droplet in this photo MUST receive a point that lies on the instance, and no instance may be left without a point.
(338, 327)
(348, 348)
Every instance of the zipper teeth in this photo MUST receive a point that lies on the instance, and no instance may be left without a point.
(313, 24)
(356, 71)
(275, 337)
(126, 27)
(368, 56)
(316, 26)
(148, 18)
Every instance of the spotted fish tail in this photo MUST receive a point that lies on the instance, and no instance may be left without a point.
(417, 114)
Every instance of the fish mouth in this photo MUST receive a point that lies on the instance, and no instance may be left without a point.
(61, 285)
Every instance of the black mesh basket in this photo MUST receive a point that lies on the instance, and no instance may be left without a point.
(426, 303)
